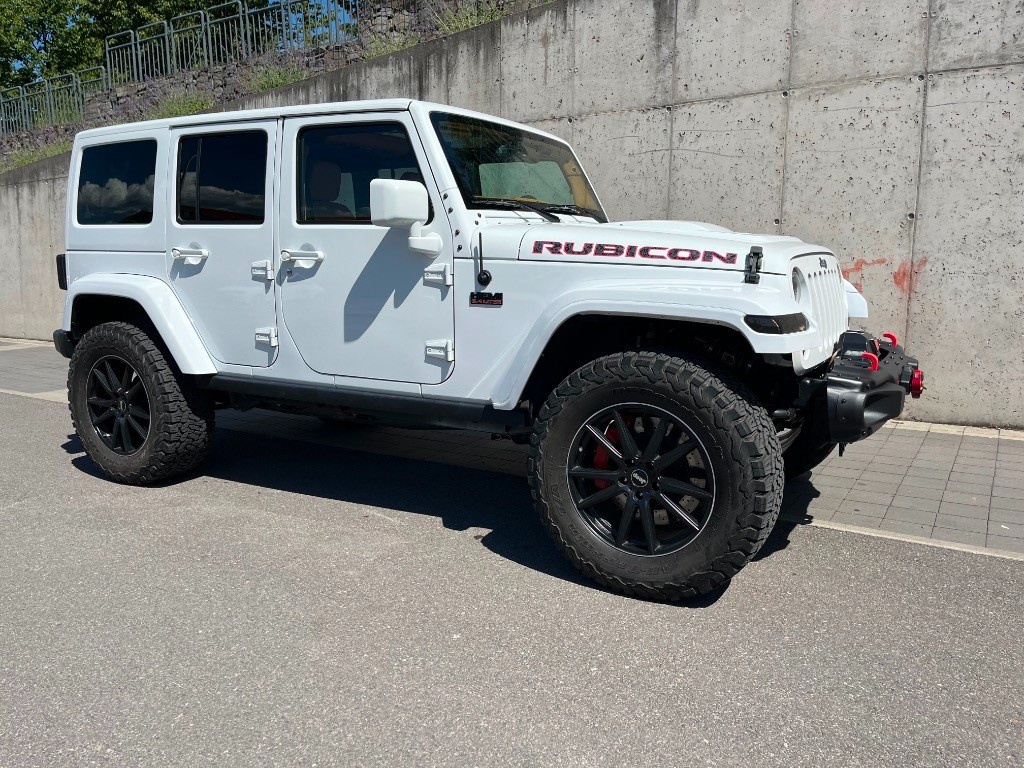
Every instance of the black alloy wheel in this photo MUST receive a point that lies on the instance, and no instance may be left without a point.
(641, 479)
(655, 475)
(118, 405)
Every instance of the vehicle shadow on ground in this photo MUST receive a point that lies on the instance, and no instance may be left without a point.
(460, 497)
(800, 492)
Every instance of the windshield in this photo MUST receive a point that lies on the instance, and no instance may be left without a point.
(499, 166)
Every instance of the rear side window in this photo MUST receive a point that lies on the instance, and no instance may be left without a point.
(222, 178)
(338, 162)
(115, 183)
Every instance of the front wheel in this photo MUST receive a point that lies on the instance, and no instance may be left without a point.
(655, 476)
(138, 417)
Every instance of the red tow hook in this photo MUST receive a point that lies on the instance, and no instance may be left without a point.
(891, 338)
(872, 359)
(916, 383)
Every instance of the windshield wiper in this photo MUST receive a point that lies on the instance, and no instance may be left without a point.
(508, 203)
(577, 209)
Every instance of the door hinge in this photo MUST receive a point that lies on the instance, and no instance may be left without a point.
(266, 336)
(438, 274)
(263, 270)
(443, 349)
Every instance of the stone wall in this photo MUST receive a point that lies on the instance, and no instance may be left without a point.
(890, 132)
(223, 84)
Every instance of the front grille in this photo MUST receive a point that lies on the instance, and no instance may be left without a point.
(827, 306)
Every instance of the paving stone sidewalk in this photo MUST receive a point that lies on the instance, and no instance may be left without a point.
(952, 487)
(959, 485)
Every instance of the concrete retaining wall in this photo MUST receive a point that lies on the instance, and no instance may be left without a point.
(31, 235)
(891, 132)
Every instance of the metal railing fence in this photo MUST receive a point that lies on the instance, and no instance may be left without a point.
(52, 101)
(230, 31)
(237, 31)
(227, 32)
(121, 58)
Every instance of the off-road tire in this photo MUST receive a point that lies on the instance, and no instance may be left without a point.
(744, 450)
(806, 452)
(181, 415)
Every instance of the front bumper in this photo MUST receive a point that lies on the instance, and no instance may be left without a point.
(865, 386)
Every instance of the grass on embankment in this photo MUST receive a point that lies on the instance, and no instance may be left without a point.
(20, 157)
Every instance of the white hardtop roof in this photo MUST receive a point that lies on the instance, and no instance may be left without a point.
(300, 110)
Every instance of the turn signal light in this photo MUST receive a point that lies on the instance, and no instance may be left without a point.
(794, 323)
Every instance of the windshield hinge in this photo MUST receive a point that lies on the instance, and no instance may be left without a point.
(752, 270)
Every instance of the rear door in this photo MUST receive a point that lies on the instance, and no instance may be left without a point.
(220, 236)
(355, 299)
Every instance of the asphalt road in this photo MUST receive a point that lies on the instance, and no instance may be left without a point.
(306, 605)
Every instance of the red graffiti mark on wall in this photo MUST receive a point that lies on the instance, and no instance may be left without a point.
(904, 276)
(855, 272)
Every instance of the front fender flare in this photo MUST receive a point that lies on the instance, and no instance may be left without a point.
(161, 306)
(716, 304)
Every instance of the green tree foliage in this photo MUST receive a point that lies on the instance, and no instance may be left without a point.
(42, 38)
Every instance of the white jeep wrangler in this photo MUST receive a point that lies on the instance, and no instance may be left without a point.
(424, 265)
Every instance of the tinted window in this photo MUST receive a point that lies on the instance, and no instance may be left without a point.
(338, 162)
(222, 178)
(115, 183)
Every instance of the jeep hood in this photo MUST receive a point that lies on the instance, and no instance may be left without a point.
(659, 243)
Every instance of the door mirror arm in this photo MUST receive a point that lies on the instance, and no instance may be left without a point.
(429, 244)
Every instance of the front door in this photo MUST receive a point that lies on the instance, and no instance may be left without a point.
(355, 299)
(220, 236)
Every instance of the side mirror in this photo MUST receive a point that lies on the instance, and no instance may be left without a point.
(404, 204)
(398, 203)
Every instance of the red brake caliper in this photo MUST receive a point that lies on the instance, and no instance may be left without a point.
(603, 459)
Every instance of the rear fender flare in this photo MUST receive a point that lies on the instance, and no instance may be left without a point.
(161, 306)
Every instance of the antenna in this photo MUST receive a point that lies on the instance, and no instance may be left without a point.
(483, 277)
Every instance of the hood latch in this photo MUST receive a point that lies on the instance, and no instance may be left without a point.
(752, 270)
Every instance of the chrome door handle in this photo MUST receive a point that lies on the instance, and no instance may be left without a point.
(190, 255)
(301, 258)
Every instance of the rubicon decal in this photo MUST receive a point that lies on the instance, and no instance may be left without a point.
(614, 250)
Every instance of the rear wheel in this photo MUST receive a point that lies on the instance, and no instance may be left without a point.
(656, 477)
(138, 417)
